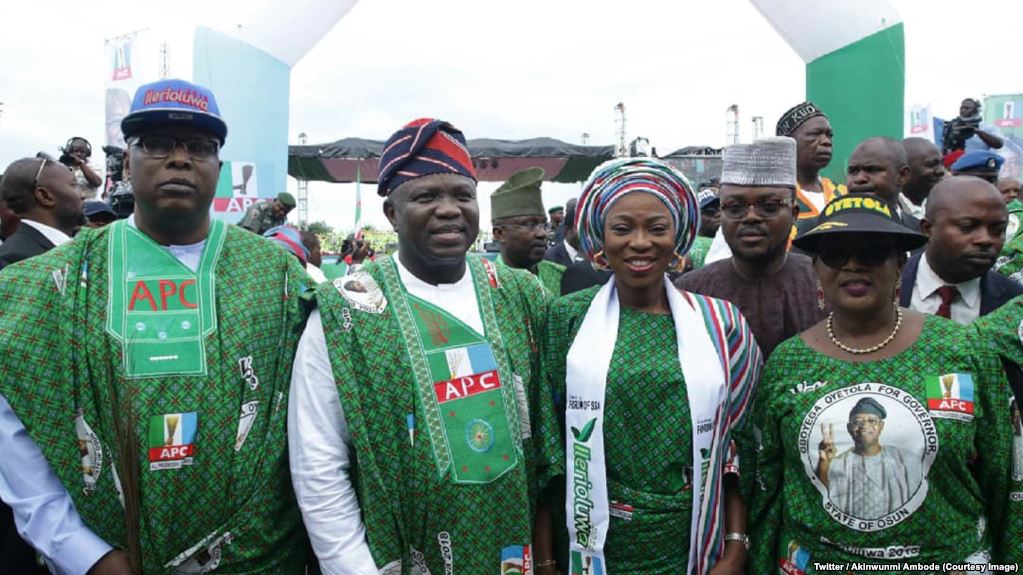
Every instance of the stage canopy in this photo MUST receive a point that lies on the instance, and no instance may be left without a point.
(494, 160)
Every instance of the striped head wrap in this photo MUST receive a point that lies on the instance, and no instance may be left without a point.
(421, 148)
(288, 238)
(613, 180)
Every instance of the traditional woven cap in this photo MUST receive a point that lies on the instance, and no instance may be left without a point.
(423, 147)
(519, 196)
(286, 199)
(766, 162)
(176, 102)
(795, 116)
(859, 214)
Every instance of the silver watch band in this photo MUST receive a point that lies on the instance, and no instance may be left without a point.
(740, 537)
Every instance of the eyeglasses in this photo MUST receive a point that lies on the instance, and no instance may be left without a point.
(529, 227)
(835, 256)
(767, 209)
(159, 147)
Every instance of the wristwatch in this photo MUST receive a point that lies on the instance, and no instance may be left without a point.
(740, 537)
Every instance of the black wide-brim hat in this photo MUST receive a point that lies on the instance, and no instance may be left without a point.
(859, 214)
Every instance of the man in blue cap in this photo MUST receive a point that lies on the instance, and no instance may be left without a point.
(980, 163)
(99, 213)
(151, 438)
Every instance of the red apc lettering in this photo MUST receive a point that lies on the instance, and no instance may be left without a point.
(462, 387)
(956, 405)
(166, 288)
(170, 453)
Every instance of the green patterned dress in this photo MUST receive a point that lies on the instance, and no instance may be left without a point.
(426, 504)
(1010, 261)
(698, 253)
(647, 429)
(923, 476)
(210, 446)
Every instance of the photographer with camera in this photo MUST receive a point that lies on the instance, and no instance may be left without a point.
(75, 155)
(965, 131)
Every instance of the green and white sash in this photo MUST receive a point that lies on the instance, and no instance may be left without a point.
(464, 382)
(160, 310)
(588, 362)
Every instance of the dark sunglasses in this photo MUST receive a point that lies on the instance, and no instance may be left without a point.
(159, 147)
(767, 209)
(836, 256)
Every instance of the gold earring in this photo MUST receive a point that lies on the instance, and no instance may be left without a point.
(599, 261)
(678, 263)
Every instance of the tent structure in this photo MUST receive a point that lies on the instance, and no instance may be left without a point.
(347, 159)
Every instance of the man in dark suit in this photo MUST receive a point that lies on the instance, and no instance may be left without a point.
(42, 194)
(965, 220)
(566, 251)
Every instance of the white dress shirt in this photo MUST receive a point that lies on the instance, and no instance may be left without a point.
(925, 299)
(55, 236)
(320, 446)
(573, 254)
(44, 512)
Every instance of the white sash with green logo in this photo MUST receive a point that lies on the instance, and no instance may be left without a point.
(160, 310)
(588, 363)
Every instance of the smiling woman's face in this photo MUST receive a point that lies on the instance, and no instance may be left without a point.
(639, 240)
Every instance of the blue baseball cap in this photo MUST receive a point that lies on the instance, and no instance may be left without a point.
(708, 197)
(981, 160)
(174, 101)
(96, 207)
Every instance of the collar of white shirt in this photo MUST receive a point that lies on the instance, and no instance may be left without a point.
(928, 282)
(55, 236)
(573, 253)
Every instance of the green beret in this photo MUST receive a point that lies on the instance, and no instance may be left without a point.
(519, 196)
(556, 209)
(868, 405)
(287, 199)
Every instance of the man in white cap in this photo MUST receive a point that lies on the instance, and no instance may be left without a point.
(773, 288)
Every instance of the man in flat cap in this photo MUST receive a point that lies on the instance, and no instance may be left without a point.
(152, 436)
(262, 216)
(555, 231)
(870, 480)
(424, 368)
(808, 125)
(774, 289)
(517, 215)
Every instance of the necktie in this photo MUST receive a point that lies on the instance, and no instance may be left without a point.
(947, 295)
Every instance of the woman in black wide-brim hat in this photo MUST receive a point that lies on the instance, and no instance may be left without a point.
(880, 435)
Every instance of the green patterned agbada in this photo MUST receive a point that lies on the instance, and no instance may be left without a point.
(459, 497)
(918, 450)
(83, 339)
(548, 273)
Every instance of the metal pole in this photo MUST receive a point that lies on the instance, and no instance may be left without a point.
(303, 191)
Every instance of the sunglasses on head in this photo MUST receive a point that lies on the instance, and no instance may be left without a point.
(836, 255)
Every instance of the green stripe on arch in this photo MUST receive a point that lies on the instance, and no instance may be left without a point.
(862, 88)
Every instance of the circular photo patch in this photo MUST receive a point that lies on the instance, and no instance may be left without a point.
(868, 449)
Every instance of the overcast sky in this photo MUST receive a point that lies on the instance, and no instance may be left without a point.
(507, 70)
